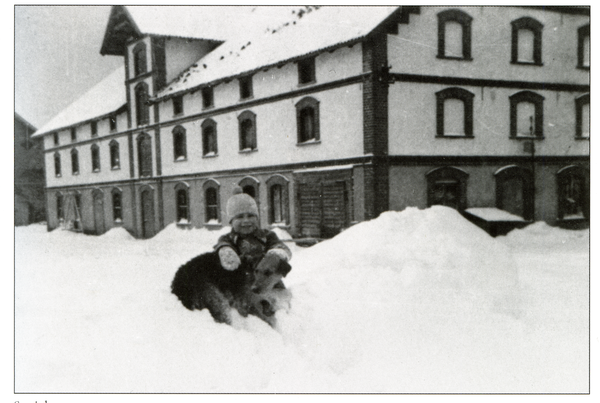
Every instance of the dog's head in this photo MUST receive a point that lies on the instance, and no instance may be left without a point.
(269, 271)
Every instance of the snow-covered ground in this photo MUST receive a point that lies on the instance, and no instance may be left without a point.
(419, 301)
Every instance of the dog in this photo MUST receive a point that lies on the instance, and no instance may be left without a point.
(202, 283)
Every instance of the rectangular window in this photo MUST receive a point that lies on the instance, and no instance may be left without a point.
(55, 138)
(73, 134)
(246, 87)
(306, 71)
(526, 119)
(454, 39)
(525, 46)
(94, 128)
(207, 97)
(454, 117)
(178, 105)
(585, 120)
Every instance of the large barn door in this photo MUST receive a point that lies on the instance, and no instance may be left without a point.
(323, 204)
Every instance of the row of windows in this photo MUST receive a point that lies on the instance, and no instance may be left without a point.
(93, 130)
(514, 191)
(307, 112)
(445, 186)
(454, 39)
(115, 159)
(454, 111)
(277, 188)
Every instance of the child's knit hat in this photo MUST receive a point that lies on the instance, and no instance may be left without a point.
(241, 203)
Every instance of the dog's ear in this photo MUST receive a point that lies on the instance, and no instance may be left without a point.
(283, 268)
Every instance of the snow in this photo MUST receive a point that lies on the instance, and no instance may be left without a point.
(299, 35)
(418, 301)
(493, 214)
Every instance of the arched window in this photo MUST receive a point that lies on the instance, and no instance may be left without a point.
(526, 115)
(278, 200)
(141, 104)
(182, 203)
(247, 124)
(95, 158)
(74, 162)
(139, 59)
(573, 193)
(582, 117)
(179, 144)
(454, 35)
(115, 159)
(57, 165)
(514, 191)
(583, 47)
(117, 205)
(454, 112)
(144, 143)
(447, 186)
(209, 138)
(211, 202)
(307, 120)
(526, 41)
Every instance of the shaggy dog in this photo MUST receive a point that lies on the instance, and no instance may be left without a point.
(203, 283)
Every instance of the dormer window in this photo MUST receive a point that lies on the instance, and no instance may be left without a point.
(208, 100)
(306, 71)
(178, 105)
(139, 59)
(526, 41)
(246, 87)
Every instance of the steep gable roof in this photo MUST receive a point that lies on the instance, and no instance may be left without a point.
(102, 99)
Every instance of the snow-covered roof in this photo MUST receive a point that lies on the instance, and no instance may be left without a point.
(302, 34)
(253, 38)
(218, 23)
(493, 214)
(102, 99)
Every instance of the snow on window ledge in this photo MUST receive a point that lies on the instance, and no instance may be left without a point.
(309, 142)
(211, 154)
(248, 150)
(181, 158)
(213, 223)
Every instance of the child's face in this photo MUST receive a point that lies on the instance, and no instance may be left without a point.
(244, 224)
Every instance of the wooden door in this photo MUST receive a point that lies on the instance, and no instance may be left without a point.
(147, 214)
(99, 213)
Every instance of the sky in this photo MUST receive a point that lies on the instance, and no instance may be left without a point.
(57, 57)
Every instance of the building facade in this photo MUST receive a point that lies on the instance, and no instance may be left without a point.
(397, 107)
(30, 206)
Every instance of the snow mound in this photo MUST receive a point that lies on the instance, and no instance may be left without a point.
(542, 235)
(427, 250)
(118, 234)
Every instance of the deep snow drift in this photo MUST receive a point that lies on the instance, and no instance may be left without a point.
(419, 301)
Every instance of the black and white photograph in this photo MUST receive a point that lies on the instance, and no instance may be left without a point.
(290, 199)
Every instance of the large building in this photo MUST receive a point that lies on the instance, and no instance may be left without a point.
(30, 205)
(327, 116)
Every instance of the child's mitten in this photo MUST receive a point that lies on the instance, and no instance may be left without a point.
(229, 259)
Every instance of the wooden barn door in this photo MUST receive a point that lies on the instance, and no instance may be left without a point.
(147, 214)
(323, 204)
(99, 213)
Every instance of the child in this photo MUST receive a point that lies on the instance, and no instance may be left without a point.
(247, 241)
